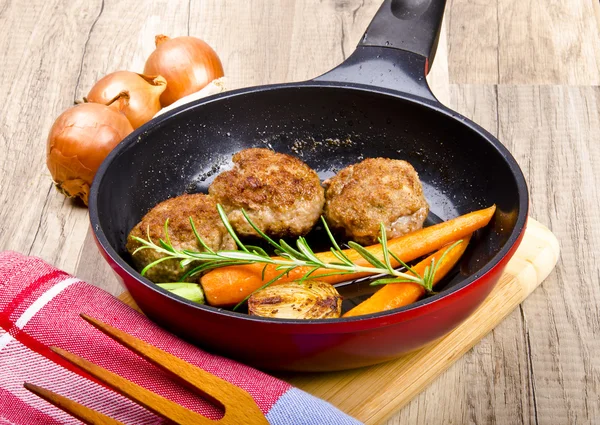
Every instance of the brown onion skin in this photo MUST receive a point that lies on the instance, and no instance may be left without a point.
(78, 142)
(187, 63)
(142, 91)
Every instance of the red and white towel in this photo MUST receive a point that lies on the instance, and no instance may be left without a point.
(40, 307)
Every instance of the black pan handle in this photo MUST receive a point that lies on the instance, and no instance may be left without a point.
(397, 50)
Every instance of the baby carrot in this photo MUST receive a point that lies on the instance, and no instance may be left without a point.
(227, 286)
(394, 295)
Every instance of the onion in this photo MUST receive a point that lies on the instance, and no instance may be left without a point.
(142, 91)
(187, 63)
(78, 142)
(214, 87)
(309, 299)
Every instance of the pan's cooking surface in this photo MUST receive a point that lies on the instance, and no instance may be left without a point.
(327, 127)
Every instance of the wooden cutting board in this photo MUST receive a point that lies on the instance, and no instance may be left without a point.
(372, 394)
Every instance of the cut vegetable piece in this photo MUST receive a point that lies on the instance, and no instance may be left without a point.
(395, 295)
(189, 291)
(227, 286)
(309, 299)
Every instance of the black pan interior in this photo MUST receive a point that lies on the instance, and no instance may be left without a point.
(329, 128)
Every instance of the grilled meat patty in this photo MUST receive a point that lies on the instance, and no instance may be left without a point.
(374, 191)
(203, 210)
(281, 194)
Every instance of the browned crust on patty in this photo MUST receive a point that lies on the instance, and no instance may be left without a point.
(203, 210)
(262, 176)
(282, 194)
(374, 191)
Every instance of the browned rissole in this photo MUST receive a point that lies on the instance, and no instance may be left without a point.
(374, 191)
(203, 210)
(281, 194)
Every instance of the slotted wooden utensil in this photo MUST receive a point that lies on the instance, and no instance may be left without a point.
(239, 406)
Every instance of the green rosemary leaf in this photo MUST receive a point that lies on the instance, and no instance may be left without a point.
(191, 272)
(384, 247)
(143, 241)
(262, 273)
(257, 250)
(149, 245)
(386, 281)
(308, 274)
(243, 255)
(340, 256)
(229, 229)
(403, 264)
(260, 232)
(374, 261)
(198, 269)
(283, 254)
(198, 256)
(426, 278)
(154, 263)
(335, 263)
(167, 239)
(204, 267)
(141, 248)
(198, 238)
(446, 252)
(186, 262)
(283, 267)
(320, 275)
(288, 249)
(334, 242)
(166, 246)
(305, 249)
(148, 234)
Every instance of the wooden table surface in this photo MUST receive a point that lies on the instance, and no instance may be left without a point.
(527, 71)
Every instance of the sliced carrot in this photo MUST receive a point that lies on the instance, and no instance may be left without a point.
(394, 295)
(227, 286)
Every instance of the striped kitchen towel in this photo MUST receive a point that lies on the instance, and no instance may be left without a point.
(40, 306)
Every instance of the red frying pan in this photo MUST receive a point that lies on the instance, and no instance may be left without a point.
(380, 100)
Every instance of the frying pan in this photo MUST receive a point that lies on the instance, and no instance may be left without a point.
(375, 104)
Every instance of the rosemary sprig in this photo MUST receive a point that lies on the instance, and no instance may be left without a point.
(291, 257)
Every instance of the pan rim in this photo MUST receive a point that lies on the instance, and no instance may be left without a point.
(413, 308)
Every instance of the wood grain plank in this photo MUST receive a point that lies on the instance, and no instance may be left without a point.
(473, 43)
(254, 53)
(524, 42)
(41, 47)
(303, 38)
(554, 132)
